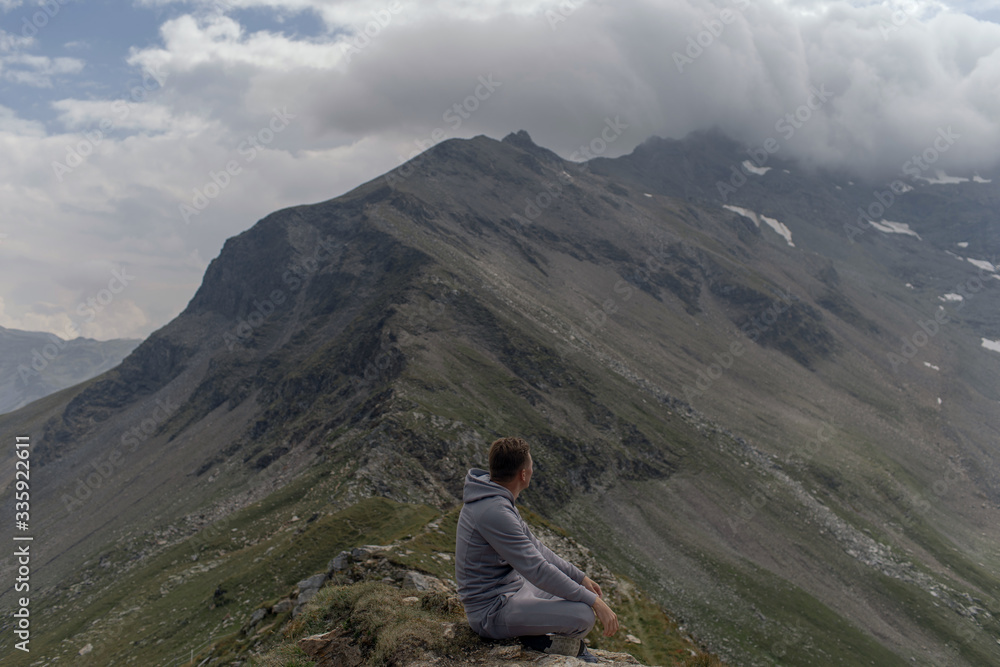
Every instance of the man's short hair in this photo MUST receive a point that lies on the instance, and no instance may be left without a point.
(507, 457)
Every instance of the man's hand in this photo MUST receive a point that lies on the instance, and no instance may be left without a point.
(608, 618)
(592, 586)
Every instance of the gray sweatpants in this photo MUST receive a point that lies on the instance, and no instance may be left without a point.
(532, 611)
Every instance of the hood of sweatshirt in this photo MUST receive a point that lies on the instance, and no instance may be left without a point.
(479, 486)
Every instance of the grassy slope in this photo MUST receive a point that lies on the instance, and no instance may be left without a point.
(374, 613)
(161, 610)
(166, 606)
(800, 629)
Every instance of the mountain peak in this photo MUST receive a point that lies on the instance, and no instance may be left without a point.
(521, 139)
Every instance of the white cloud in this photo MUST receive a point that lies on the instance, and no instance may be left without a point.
(890, 91)
(79, 115)
(356, 117)
(11, 42)
(221, 42)
(10, 123)
(37, 71)
(358, 12)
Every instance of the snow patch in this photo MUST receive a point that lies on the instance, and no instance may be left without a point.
(979, 179)
(890, 227)
(962, 244)
(939, 400)
(991, 344)
(780, 228)
(981, 264)
(746, 213)
(941, 178)
(909, 285)
(754, 169)
(904, 188)
(951, 297)
(930, 365)
(647, 194)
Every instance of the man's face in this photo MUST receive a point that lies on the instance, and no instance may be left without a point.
(528, 470)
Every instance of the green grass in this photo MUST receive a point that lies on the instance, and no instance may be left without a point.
(373, 616)
(793, 626)
(951, 628)
(388, 630)
(187, 616)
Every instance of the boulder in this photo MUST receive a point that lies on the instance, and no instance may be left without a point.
(359, 554)
(316, 581)
(257, 616)
(283, 605)
(424, 583)
(339, 562)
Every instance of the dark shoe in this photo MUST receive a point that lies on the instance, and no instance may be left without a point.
(586, 655)
(553, 644)
(536, 642)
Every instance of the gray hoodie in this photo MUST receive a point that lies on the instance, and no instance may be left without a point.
(495, 552)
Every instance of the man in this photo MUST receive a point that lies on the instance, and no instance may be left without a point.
(510, 584)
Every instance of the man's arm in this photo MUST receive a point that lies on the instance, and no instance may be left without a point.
(503, 530)
(570, 570)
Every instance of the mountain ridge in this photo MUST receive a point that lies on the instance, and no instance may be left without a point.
(489, 287)
(37, 363)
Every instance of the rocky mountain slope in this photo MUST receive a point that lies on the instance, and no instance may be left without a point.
(35, 364)
(778, 420)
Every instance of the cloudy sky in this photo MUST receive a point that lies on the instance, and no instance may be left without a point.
(137, 136)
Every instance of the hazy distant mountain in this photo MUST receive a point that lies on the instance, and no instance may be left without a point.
(779, 419)
(34, 364)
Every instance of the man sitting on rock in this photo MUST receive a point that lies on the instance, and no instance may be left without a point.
(510, 584)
